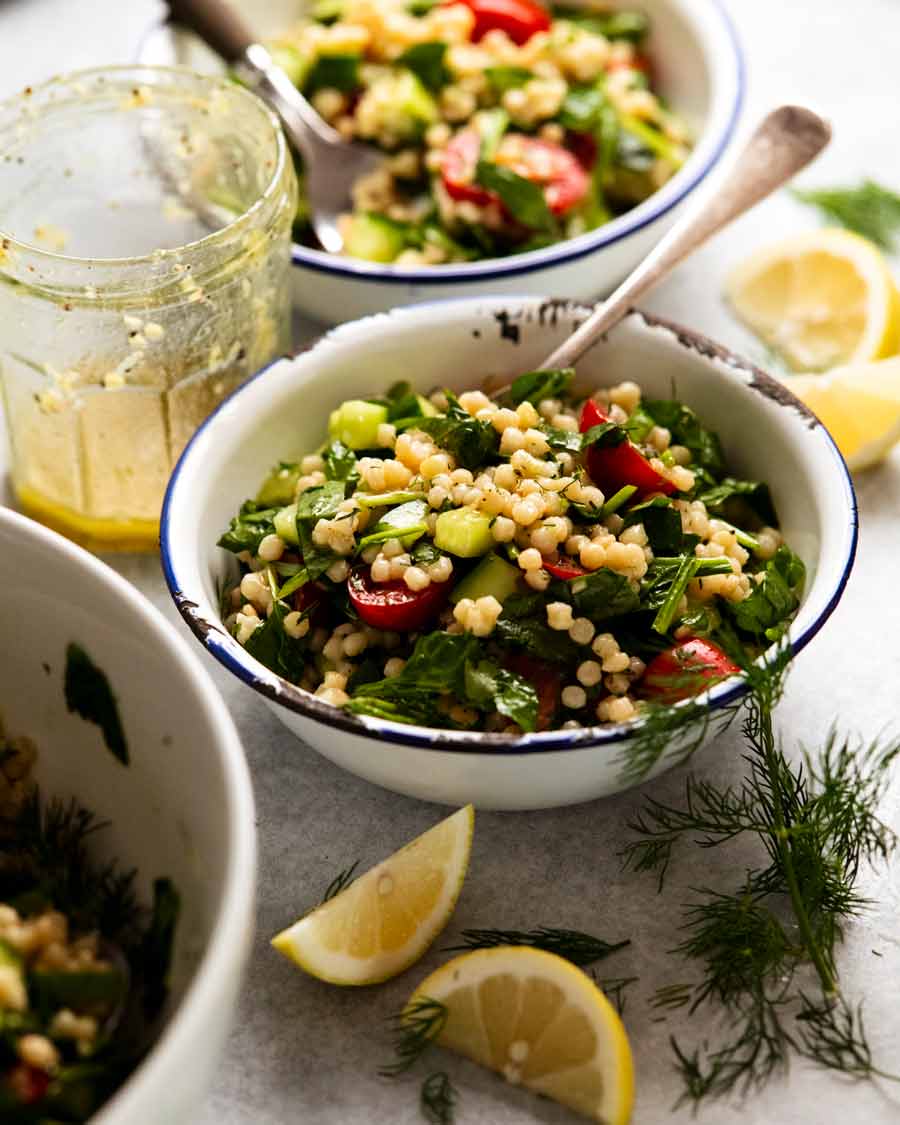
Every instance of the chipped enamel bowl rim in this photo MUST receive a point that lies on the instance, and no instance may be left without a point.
(187, 559)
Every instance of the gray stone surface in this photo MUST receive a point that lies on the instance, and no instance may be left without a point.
(305, 1052)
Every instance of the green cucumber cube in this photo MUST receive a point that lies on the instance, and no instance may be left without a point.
(463, 532)
(493, 577)
(356, 423)
(286, 524)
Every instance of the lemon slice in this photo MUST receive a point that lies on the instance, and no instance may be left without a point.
(387, 918)
(540, 1022)
(860, 407)
(819, 299)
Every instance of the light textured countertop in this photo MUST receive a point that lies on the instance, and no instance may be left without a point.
(305, 1052)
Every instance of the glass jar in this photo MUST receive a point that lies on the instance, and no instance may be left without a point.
(145, 232)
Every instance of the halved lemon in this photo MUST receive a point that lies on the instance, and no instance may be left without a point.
(819, 299)
(859, 405)
(540, 1022)
(386, 919)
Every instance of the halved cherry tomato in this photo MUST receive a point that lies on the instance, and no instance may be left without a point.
(617, 465)
(566, 569)
(392, 605)
(686, 669)
(544, 678)
(520, 19)
(564, 180)
(27, 1083)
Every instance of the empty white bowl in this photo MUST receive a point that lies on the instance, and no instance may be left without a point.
(282, 414)
(699, 67)
(182, 808)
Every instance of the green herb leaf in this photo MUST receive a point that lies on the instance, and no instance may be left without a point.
(471, 441)
(270, 645)
(731, 499)
(562, 441)
(603, 594)
(491, 125)
(533, 634)
(687, 430)
(89, 695)
(340, 882)
(279, 486)
(414, 1030)
(582, 108)
(406, 522)
(248, 528)
(579, 948)
(626, 24)
(662, 524)
(340, 464)
(534, 386)
(426, 61)
(492, 688)
(337, 72)
(503, 78)
(869, 209)
(772, 601)
(158, 945)
(438, 1099)
(523, 199)
(605, 435)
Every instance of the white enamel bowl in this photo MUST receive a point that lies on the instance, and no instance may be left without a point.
(182, 807)
(700, 70)
(282, 413)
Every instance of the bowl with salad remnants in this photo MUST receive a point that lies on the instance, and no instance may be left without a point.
(527, 147)
(470, 580)
(127, 850)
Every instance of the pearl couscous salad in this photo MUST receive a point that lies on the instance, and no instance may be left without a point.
(507, 126)
(532, 560)
(83, 970)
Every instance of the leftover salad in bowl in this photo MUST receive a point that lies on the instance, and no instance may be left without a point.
(539, 557)
(506, 125)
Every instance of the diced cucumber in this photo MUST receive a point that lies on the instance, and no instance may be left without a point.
(463, 532)
(278, 487)
(384, 499)
(374, 238)
(294, 63)
(493, 577)
(285, 522)
(429, 410)
(406, 523)
(404, 106)
(356, 423)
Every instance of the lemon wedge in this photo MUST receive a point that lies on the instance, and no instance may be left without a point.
(819, 299)
(859, 406)
(541, 1023)
(386, 919)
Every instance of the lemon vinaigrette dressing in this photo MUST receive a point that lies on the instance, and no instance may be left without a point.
(144, 257)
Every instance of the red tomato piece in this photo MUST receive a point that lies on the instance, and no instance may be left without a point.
(27, 1083)
(520, 19)
(544, 678)
(564, 180)
(686, 669)
(617, 465)
(392, 605)
(566, 569)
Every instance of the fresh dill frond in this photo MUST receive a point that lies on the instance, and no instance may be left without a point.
(340, 882)
(414, 1030)
(614, 988)
(438, 1098)
(579, 948)
(817, 823)
(867, 209)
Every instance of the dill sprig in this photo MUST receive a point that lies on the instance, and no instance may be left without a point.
(340, 882)
(438, 1098)
(615, 988)
(817, 823)
(868, 209)
(579, 948)
(414, 1030)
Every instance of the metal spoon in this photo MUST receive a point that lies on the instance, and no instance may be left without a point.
(783, 143)
(332, 164)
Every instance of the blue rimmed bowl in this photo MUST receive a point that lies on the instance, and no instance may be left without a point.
(700, 70)
(282, 414)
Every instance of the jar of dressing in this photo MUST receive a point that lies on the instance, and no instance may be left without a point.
(145, 233)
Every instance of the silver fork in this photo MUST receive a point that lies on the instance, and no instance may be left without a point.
(332, 164)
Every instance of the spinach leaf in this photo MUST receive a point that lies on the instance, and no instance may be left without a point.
(248, 528)
(562, 441)
(339, 72)
(88, 694)
(471, 441)
(523, 199)
(315, 504)
(406, 522)
(774, 599)
(639, 425)
(270, 645)
(732, 498)
(426, 61)
(687, 430)
(603, 593)
(491, 688)
(666, 581)
(662, 524)
(604, 436)
(523, 624)
(503, 78)
(425, 553)
(536, 385)
(340, 463)
(581, 108)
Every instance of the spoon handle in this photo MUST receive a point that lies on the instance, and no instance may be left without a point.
(783, 143)
(217, 25)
